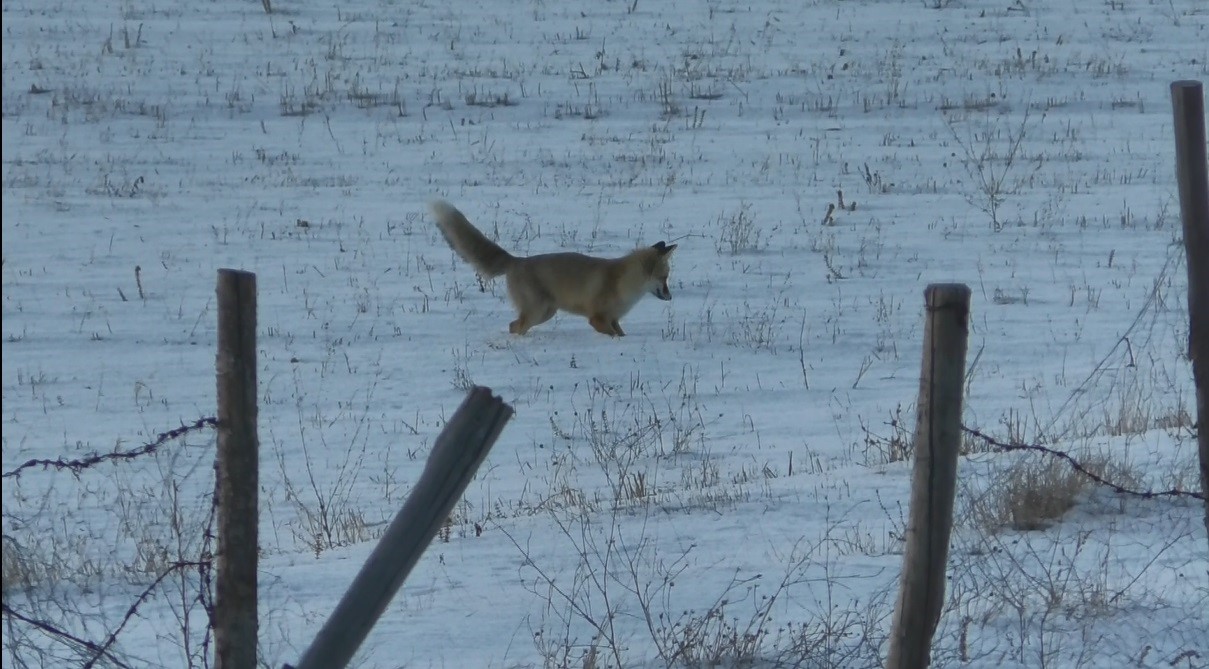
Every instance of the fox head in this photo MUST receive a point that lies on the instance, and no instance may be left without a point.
(658, 269)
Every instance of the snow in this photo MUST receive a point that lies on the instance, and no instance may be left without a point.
(728, 465)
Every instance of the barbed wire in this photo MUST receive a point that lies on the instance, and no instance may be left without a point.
(78, 465)
(1079, 467)
(103, 650)
(63, 636)
(204, 564)
(205, 572)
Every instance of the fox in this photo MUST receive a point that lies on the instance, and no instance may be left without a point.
(601, 289)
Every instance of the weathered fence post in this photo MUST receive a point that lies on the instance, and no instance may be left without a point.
(937, 438)
(235, 623)
(1192, 173)
(456, 456)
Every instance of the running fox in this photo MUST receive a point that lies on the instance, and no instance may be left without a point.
(602, 289)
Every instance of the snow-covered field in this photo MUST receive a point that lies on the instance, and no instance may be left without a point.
(723, 485)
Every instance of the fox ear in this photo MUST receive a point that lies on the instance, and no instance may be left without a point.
(663, 248)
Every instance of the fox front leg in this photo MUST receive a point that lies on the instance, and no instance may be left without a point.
(603, 326)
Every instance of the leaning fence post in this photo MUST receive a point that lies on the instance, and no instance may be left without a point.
(1192, 173)
(456, 456)
(235, 624)
(937, 438)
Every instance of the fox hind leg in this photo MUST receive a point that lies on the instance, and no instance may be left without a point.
(524, 320)
(533, 305)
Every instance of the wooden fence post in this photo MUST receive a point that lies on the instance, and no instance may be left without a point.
(1192, 173)
(456, 456)
(236, 468)
(937, 439)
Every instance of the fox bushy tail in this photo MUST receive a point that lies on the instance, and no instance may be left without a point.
(487, 257)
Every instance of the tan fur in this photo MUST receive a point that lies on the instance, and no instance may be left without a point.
(601, 289)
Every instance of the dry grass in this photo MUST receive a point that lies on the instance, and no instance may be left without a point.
(1038, 491)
